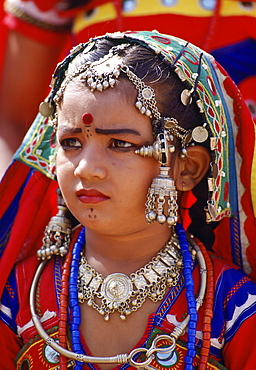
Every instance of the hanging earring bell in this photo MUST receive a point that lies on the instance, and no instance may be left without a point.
(57, 233)
(162, 187)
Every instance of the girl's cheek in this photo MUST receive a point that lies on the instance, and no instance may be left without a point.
(60, 157)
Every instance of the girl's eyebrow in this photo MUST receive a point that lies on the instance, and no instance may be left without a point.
(71, 130)
(78, 130)
(116, 131)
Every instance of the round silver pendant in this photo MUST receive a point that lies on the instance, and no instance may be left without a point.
(46, 109)
(199, 134)
(51, 355)
(185, 97)
(147, 93)
(116, 288)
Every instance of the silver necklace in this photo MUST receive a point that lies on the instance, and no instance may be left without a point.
(123, 358)
(126, 294)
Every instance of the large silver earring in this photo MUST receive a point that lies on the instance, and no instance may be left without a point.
(162, 187)
(57, 233)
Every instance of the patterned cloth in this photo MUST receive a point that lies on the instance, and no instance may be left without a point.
(234, 311)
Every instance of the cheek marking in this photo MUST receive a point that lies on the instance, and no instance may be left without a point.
(91, 215)
(87, 119)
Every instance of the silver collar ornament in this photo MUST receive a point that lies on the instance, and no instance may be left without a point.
(126, 294)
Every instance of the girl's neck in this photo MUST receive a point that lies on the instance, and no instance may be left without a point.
(124, 253)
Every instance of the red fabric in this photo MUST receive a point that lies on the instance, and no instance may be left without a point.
(245, 146)
(10, 187)
(247, 87)
(176, 25)
(45, 4)
(26, 237)
(209, 32)
(10, 345)
(46, 37)
(3, 38)
(25, 273)
(239, 353)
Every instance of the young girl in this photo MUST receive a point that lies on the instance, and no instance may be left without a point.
(137, 133)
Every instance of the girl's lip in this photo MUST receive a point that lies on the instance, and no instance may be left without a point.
(91, 196)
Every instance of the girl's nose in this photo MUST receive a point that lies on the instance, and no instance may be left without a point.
(91, 163)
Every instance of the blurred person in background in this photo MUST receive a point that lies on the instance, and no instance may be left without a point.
(39, 33)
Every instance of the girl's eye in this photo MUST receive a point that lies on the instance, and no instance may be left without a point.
(120, 144)
(69, 144)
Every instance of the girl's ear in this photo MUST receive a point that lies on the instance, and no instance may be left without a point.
(191, 169)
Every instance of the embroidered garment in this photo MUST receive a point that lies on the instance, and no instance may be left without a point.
(234, 313)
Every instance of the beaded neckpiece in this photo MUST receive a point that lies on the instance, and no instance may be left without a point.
(126, 294)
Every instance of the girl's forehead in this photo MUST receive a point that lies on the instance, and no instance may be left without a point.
(78, 98)
(113, 108)
(123, 89)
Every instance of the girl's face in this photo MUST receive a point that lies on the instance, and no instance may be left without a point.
(103, 182)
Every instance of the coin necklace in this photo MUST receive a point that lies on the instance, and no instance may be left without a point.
(125, 294)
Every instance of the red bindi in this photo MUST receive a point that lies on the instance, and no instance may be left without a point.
(87, 119)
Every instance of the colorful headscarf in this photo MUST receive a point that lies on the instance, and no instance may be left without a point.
(29, 179)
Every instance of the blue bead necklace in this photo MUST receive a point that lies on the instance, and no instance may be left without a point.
(73, 302)
(189, 283)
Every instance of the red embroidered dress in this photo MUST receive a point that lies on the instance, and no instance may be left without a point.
(234, 319)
